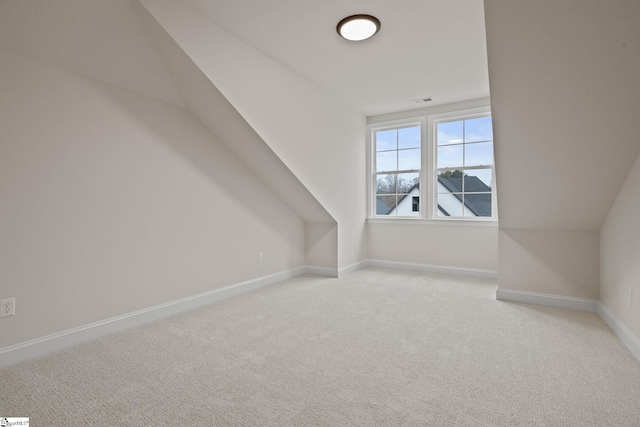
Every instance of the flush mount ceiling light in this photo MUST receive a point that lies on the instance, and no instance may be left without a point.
(358, 27)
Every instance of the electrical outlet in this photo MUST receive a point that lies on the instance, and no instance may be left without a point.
(7, 307)
(260, 257)
(631, 296)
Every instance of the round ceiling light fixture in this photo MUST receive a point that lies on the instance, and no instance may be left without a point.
(358, 27)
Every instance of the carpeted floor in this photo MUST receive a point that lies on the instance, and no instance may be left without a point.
(375, 348)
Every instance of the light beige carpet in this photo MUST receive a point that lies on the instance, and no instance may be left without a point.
(376, 348)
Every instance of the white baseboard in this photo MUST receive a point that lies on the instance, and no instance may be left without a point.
(581, 304)
(322, 271)
(58, 341)
(459, 271)
(353, 267)
(41, 346)
(549, 300)
(626, 336)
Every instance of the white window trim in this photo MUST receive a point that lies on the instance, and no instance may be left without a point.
(432, 121)
(371, 164)
(428, 185)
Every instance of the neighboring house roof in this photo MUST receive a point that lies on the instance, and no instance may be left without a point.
(479, 204)
(406, 195)
(381, 208)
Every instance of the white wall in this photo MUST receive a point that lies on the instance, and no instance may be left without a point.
(111, 201)
(319, 237)
(102, 39)
(565, 100)
(317, 137)
(458, 246)
(550, 262)
(620, 255)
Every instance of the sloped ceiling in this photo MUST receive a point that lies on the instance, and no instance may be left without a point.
(566, 106)
(107, 40)
(564, 85)
(101, 39)
(425, 48)
(205, 101)
(564, 76)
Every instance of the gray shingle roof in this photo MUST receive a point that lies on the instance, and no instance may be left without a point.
(479, 204)
(381, 208)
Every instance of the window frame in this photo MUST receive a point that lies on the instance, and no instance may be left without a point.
(428, 179)
(432, 121)
(372, 167)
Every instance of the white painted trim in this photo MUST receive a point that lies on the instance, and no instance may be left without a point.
(41, 346)
(549, 300)
(58, 341)
(353, 267)
(459, 271)
(438, 222)
(322, 271)
(626, 336)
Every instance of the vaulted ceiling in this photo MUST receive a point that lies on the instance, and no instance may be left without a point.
(565, 101)
(564, 75)
(432, 48)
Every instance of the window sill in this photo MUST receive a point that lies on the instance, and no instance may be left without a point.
(434, 222)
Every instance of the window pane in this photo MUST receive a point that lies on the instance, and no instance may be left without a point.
(478, 154)
(386, 161)
(409, 159)
(385, 205)
(464, 161)
(408, 203)
(449, 204)
(407, 182)
(449, 133)
(477, 181)
(386, 140)
(450, 156)
(386, 183)
(478, 130)
(409, 137)
(478, 204)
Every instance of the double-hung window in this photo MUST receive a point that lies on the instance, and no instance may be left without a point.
(434, 167)
(398, 167)
(463, 177)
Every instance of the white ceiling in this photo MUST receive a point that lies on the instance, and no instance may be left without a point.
(434, 48)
